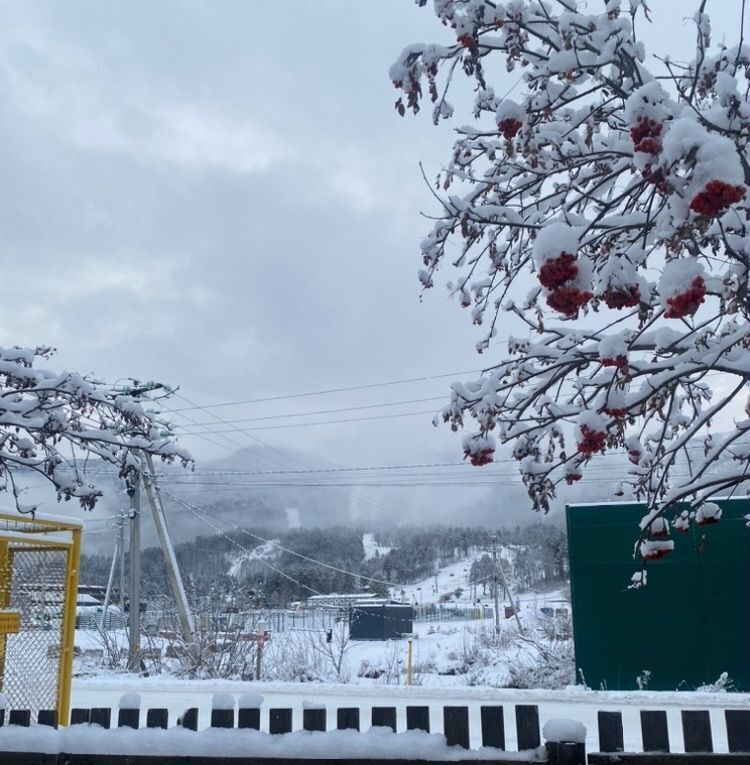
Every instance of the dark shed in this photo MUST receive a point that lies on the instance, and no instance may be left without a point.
(380, 622)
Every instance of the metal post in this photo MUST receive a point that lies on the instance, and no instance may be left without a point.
(409, 652)
(121, 540)
(510, 597)
(260, 632)
(65, 671)
(110, 582)
(494, 583)
(134, 575)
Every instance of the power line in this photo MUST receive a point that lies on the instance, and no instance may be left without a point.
(344, 389)
(329, 390)
(309, 424)
(331, 411)
(287, 458)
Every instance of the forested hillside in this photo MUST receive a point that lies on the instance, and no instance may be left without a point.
(257, 567)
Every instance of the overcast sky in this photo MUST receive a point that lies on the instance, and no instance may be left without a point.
(220, 196)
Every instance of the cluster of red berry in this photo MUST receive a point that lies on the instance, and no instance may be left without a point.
(654, 552)
(556, 271)
(618, 361)
(466, 40)
(655, 178)
(715, 197)
(622, 297)
(480, 457)
(707, 520)
(645, 135)
(617, 412)
(568, 300)
(591, 440)
(509, 127)
(634, 455)
(571, 478)
(686, 303)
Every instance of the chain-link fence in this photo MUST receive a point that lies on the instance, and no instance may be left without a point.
(30, 674)
(39, 560)
(438, 613)
(275, 620)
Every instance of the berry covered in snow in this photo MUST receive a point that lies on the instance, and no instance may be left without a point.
(479, 450)
(708, 514)
(616, 361)
(568, 300)
(656, 549)
(616, 412)
(682, 522)
(480, 456)
(509, 127)
(646, 129)
(655, 177)
(622, 297)
(571, 478)
(648, 146)
(659, 528)
(556, 271)
(686, 303)
(715, 197)
(591, 441)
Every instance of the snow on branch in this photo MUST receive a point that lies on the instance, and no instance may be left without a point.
(606, 208)
(52, 425)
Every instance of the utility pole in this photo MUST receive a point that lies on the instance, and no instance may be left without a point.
(134, 575)
(184, 616)
(499, 569)
(121, 542)
(494, 583)
(260, 641)
(110, 582)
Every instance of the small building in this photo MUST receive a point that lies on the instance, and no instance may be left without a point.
(342, 600)
(380, 621)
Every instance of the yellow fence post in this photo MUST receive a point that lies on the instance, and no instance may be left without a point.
(65, 669)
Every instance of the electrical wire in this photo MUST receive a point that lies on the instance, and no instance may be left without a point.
(309, 424)
(342, 389)
(379, 405)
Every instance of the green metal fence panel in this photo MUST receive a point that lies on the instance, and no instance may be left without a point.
(689, 624)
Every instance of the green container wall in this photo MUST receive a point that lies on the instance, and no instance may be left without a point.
(687, 626)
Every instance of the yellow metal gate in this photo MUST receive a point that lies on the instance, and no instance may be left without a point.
(39, 559)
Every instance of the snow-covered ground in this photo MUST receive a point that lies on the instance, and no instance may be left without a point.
(372, 547)
(574, 703)
(455, 662)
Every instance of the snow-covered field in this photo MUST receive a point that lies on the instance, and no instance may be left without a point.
(455, 663)
(578, 704)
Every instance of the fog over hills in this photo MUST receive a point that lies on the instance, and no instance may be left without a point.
(265, 487)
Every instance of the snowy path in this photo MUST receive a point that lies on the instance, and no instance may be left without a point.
(178, 695)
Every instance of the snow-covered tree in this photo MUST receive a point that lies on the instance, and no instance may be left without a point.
(60, 426)
(605, 206)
